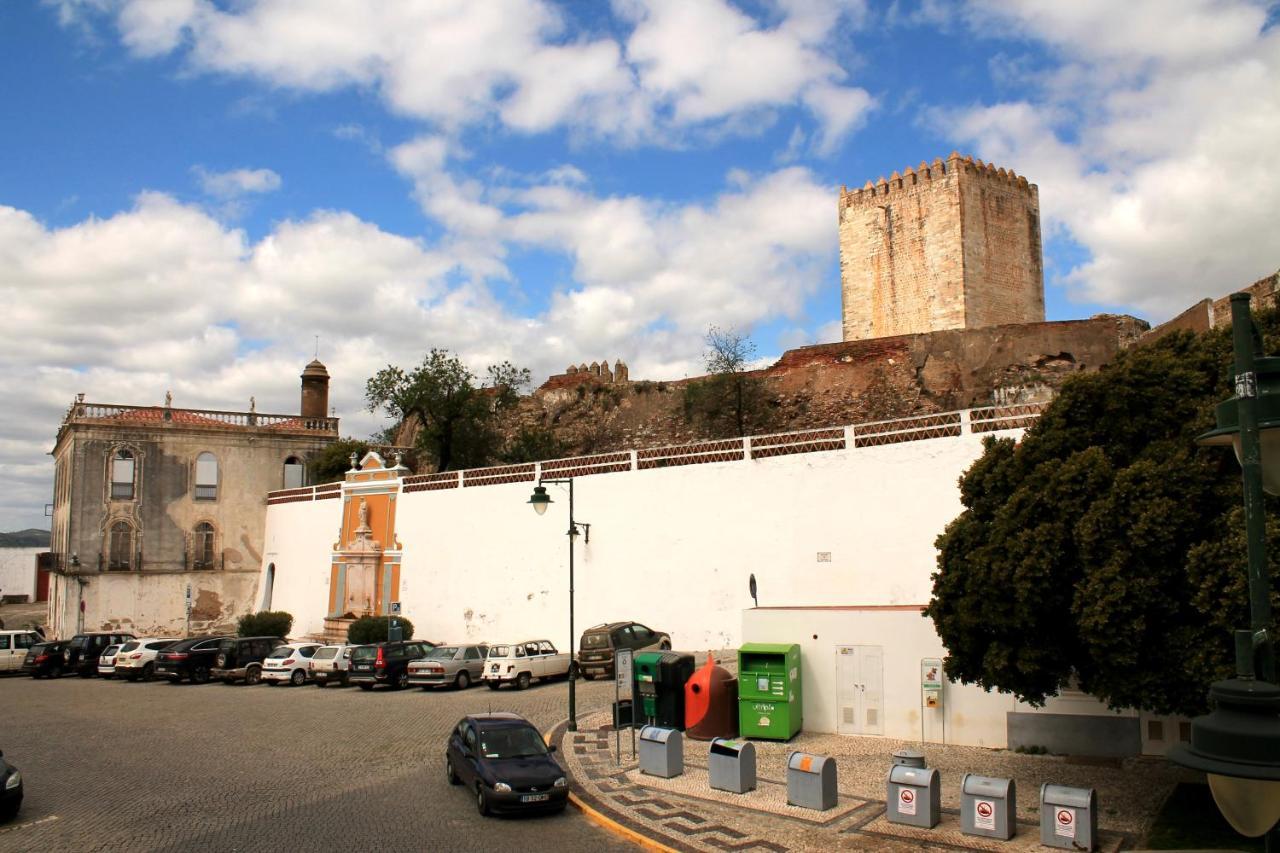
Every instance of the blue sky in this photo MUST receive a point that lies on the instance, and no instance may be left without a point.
(193, 191)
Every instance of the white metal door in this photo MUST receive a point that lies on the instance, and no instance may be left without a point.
(860, 693)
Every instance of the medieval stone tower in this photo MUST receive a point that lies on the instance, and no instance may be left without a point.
(952, 245)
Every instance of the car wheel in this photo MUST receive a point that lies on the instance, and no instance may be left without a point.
(253, 676)
(321, 682)
(84, 674)
(482, 802)
(148, 671)
(449, 772)
(298, 678)
(200, 675)
(522, 681)
(346, 681)
(228, 681)
(8, 813)
(366, 686)
(493, 685)
(402, 680)
(463, 681)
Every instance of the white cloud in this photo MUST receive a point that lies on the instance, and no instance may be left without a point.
(1151, 142)
(236, 182)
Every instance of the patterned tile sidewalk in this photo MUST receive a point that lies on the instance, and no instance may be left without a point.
(685, 814)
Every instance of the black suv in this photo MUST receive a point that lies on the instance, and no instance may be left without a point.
(44, 660)
(386, 663)
(82, 652)
(595, 656)
(191, 658)
(241, 657)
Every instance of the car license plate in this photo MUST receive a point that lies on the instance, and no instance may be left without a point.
(535, 798)
(363, 666)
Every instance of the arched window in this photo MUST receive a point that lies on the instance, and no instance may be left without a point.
(120, 546)
(295, 473)
(202, 546)
(206, 477)
(123, 470)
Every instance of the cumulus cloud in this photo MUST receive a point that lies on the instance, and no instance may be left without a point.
(1145, 153)
(676, 64)
(236, 182)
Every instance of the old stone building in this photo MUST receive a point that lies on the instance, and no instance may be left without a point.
(948, 245)
(153, 504)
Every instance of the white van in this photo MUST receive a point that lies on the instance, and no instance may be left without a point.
(14, 646)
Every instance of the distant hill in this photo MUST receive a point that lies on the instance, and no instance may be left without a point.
(29, 538)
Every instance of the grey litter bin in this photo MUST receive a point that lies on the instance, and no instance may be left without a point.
(1068, 817)
(909, 758)
(661, 752)
(987, 807)
(732, 765)
(811, 781)
(914, 796)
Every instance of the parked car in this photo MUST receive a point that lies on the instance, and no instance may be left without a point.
(107, 661)
(290, 662)
(595, 652)
(137, 658)
(13, 648)
(332, 665)
(44, 660)
(457, 665)
(520, 663)
(385, 663)
(81, 653)
(192, 658)
(241, 658)
(10, 790)
(503, 760)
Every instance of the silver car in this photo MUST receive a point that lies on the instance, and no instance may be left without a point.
(459, 665)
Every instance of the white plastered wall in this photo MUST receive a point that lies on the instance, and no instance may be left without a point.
(18, 571)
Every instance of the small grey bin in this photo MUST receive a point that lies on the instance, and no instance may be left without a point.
(987, 807)
(661, 752)
(1068, 817)
(732, 765)
(909, 758)
(811, 781)
(914, 796)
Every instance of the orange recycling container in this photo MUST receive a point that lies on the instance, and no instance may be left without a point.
(711, 703)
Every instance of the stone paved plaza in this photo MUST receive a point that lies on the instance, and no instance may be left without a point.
(116, 766)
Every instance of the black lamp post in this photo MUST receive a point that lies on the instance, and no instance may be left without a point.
(1238, 743)
(539, 501)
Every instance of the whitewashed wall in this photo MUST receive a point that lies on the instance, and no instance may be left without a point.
(670, 547)
(18, 571)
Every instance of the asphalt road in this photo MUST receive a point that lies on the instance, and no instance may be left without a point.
(116, 766)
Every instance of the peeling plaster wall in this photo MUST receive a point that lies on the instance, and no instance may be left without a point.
(150, 603)
(18, 571)
(670, 547)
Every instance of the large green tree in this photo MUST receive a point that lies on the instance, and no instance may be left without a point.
(1104, 549)
(455, 413)
(730, 400)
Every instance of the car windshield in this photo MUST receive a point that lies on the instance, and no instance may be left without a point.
(280, 652)
(79, 642)
(110, 650)
(499, 651)
(183, 645)
(511, 742)
(595, 641)
(42, 648)
(365, 653)
(326, 653)
(128, 647)
(442, 653)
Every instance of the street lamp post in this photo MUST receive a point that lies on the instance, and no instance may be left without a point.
(1238, 743)
(539, 501)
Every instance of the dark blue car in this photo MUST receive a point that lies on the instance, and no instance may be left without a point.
(10, 790)
(504, 762)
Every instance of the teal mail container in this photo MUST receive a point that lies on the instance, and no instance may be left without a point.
(770, 705)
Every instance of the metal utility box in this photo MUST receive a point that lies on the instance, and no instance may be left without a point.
(909, 758)
(769, 696)
(661, 752)
(1068, 817)
(623, 714)
(711, 703)
(987, 807)
(811, 781)
(914, 796)
(732, 765)
(660, 680)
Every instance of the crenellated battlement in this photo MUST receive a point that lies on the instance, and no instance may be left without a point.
(939, 169)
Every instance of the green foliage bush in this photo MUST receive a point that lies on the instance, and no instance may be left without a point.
(373, 629)
(1105, 550)
(331, 464)
(265, 623)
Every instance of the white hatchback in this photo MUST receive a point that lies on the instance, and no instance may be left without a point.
(331, 664)
(290, 662)
(107, 661)
(137, 658)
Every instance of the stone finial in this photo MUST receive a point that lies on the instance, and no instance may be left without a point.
(80, 397)
(573, 369)
(595, 368)
(253, 405)
(620, 371)
(168, 399)
(354, 460)
(605, 373)
(582, 368)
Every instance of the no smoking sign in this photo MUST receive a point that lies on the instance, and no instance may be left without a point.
(906, 801)
(1065, 823)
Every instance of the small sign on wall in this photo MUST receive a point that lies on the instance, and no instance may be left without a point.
(931, 682)
(824, 556)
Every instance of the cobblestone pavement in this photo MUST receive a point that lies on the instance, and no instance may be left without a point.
(116, 766)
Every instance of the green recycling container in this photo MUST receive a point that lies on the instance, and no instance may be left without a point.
(659, 679)
(770, 705)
